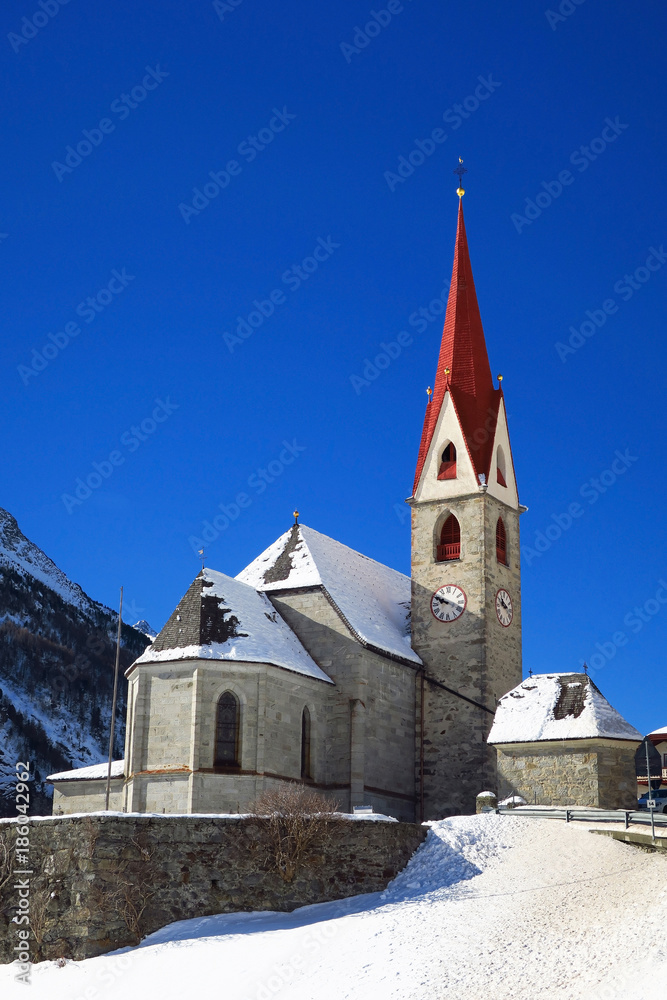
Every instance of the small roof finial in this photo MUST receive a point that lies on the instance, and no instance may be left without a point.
(201, 553)
(296, 516)
(500, 379)
(586, 668)
(429, 393)
(460, 170)
(530, 673)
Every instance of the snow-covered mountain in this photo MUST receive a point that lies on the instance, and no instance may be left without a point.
(145, 628)
(57, 650)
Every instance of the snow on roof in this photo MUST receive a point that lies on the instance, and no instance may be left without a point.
(660, 732)
(95, 771)
(557, 707)
(220, 618)
(373, 599)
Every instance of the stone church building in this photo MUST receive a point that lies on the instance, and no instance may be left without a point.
(318, 664)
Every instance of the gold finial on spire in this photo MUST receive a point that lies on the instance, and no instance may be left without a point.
(448, 372)
(460, 170)
(296, 516)
(429, 393)
(500, 379)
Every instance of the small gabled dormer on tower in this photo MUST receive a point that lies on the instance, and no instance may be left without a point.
(466, 586)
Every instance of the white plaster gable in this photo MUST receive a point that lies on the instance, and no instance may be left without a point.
(508, 494)
(447, 429)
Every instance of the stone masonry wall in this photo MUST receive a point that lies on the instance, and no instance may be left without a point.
(598, 773)
(178, 867)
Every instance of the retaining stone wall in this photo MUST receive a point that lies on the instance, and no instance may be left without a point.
(181, 867)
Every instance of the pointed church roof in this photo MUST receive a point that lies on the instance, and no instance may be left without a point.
(463, 352)
(373, 600)
(558, 707)
(220, 618)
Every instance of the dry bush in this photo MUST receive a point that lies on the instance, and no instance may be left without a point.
(131, 887)
(6, 861)
(300, 826)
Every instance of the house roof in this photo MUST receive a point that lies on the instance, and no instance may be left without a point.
(91, 773)
(373, 600)
(463, 352)
(558, 707)
(220, 618)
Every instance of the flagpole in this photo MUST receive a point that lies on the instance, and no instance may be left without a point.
(113, 705)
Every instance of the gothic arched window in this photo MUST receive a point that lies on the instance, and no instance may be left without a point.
(501, 541)
(305, 744)
(448, 463)
(500, 465)
(227, 726)
(450, 540)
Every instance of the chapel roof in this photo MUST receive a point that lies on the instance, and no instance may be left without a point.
(372, 599)
(463, 367)
(558, 707)
(220, 618)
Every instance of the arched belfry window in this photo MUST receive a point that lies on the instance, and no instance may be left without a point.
(500, 465)
(227, 731)
(305, 744)
(501, 541)
(448, 462)
(450, 540)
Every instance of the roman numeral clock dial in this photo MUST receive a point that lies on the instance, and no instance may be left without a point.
(448, 603)
(504, 608)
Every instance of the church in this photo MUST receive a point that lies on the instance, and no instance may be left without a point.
(319, 665)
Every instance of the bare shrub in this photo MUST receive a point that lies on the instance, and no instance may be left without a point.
(6, 861)
(300, 826)
(131, 887)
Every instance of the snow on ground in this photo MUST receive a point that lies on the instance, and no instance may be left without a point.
(493, 907)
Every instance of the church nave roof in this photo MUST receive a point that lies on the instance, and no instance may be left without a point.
(372, 599)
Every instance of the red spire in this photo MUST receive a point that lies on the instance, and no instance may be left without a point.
(463, 352)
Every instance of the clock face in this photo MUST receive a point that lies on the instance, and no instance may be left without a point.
(448, 603)
(504, 608)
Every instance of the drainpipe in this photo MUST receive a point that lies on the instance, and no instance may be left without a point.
(421, 747)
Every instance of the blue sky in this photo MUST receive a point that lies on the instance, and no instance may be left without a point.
(169, 94)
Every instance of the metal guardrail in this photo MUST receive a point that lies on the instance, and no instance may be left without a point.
(626, 816)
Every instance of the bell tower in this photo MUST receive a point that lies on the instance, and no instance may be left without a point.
(466, 583)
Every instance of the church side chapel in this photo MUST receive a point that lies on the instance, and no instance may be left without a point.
(317, 664)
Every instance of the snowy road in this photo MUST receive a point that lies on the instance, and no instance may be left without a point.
(490, 908)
